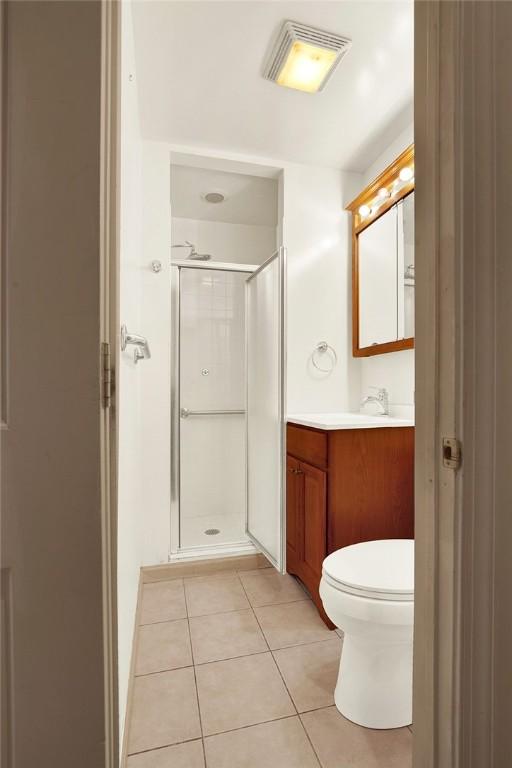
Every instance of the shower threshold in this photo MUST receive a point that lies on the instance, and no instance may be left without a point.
(219, 550)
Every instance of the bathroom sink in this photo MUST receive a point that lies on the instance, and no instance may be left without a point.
(347, 420)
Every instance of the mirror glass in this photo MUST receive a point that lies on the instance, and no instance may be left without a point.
(377, 247)
(385, 250)
(408, 265)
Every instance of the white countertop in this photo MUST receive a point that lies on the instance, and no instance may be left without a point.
(347, 420)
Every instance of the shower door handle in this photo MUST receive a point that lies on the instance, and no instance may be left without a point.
(186, 412)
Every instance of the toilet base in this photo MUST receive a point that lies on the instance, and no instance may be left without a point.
(374, 687)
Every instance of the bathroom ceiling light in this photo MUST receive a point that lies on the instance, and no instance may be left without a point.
(305, 57)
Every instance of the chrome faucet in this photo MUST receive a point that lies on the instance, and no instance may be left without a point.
(381, 399)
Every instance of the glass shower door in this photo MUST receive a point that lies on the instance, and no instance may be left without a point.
(212, 407)
(265, 311)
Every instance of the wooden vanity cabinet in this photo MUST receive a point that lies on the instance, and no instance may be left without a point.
(343, 487)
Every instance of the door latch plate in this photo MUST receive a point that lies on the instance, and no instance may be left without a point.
(452, 453)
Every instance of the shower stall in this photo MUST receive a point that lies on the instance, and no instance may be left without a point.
(227, 407)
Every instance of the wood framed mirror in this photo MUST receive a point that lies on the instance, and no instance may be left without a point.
(383, 261)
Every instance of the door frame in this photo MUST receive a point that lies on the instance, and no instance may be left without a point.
(462, 664)
(451, 552)
(437, 382)
(108, 335)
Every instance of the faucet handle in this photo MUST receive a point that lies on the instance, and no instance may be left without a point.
(382, 391)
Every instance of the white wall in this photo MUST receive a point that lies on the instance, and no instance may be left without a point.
(154, 443)
(234, 243)
(143, 389)
(129, 544)
(402, 141)
(317, 235)
(394, 370)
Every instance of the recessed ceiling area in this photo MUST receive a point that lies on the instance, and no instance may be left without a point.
(200, 79)
(247, 199)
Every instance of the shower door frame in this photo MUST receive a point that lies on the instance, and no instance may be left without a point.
(175, 544)
(280, 562)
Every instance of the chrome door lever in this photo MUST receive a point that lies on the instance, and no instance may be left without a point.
(140, 343)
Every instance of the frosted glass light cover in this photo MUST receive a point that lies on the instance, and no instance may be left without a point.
(306, 67)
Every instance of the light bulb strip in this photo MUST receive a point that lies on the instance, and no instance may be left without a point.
(394, 183)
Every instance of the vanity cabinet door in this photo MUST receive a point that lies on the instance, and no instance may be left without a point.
(294, 515)
(315, 523)
(306, 525)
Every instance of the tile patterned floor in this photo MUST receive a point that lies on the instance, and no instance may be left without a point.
(237, 670)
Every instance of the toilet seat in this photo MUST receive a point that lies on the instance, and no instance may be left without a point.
(379, 570)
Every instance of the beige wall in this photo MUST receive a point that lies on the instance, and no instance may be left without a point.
(51, 524)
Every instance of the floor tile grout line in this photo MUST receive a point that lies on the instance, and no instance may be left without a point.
(317, 709)
(164, 746)
(282, 678)
(162, 621)
(309, 642)
(252, 653)
(273, 659)
(202, 576)
(217, 613)
(184, 741)
(250, 725)
(284, 602)
(300, 645)
(162, 671)
(241, 728)
(161, 581)
(244, 656)
(200, 717)
(291, 697)
(270, 650)
(254, 614)
(195, 676)
(295, 707)
(232, 658)
(320, 763)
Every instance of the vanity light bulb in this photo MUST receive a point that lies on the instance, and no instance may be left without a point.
(406, 174)
(383, 193)
(364, 211)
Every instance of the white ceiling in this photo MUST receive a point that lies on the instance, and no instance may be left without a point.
(199, 78)
(248, 199)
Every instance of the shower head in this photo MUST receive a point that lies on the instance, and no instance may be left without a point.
(194, 255)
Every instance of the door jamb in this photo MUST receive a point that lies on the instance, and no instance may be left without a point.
(438, 339)
(462, 666)
(109, 308)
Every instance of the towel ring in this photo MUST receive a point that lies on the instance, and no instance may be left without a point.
(321, 349)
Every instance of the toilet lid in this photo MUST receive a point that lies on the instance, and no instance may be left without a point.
(384, 569)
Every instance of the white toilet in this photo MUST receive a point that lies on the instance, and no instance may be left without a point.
(368, 591)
